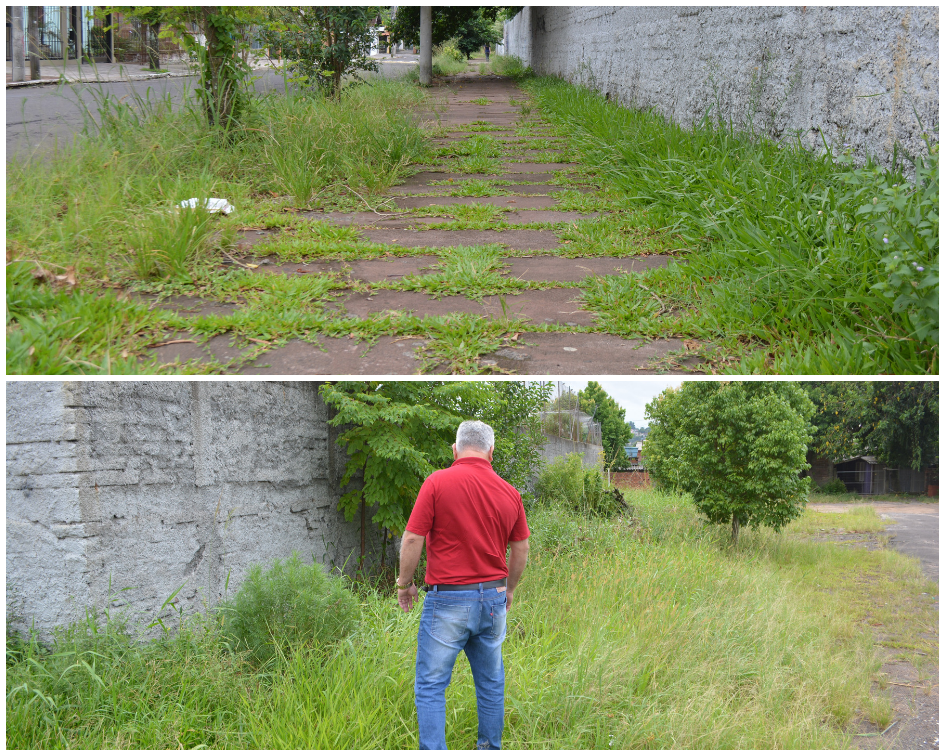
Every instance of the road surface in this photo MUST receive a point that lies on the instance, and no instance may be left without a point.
(39, 117)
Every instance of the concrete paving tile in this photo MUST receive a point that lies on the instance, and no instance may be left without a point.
(525, 239)
(557, 354)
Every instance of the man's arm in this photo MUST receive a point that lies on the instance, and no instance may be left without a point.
(518, 556)
(411, 547)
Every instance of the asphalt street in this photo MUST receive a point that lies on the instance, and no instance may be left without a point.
(39, 117)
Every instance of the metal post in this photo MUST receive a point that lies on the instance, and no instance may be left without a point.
(33, 41)
(109, 39)
(18, 53)
(426, 45)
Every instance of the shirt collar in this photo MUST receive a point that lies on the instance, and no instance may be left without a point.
(476, 461)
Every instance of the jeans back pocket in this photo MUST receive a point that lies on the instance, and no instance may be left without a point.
(450, 622)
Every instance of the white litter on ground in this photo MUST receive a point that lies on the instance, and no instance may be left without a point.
(213, 204)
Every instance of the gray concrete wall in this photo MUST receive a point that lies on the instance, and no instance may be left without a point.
(555, 447)
(808, 69)
(120, 492)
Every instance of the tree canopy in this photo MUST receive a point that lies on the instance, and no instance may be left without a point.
(322, 43)
(896, 421)
(470, 25)
(614, 430)
(737, 447)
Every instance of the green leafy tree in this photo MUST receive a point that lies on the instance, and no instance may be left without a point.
(611, 416)
(900, 423)
(467, 24)
(399, 432)
(218, 45)
(323, 43)
(896, 421)
(838, 417)
(511, 408)
(737, 447)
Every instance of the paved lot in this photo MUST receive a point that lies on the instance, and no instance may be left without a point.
(913, 526)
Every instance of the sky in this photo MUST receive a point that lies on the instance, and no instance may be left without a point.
(631, 395)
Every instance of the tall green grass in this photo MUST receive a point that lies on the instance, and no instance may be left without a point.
(642, 632)
(105, 206)
(827, 268)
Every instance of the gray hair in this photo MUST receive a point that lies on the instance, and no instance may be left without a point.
(474, 434)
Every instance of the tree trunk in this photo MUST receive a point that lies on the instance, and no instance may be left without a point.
(154, 53)
(17, 52)
(735, 528)
(64, 35)
(33, 41)
(220, 88)
(426, 45)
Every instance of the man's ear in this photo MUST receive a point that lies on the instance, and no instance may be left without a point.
(491, 450)
(455, 455)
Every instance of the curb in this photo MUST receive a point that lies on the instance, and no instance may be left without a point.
(132, 77)
(56, 82)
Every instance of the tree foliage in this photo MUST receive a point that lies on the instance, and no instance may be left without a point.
(399, 432)
(322, 43)
(611, 416)
(737, 447)
(896, 421)
(472, 26)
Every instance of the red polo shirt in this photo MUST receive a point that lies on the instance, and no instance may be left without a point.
(468, 515)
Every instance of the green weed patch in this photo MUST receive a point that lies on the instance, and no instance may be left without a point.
(833, 268)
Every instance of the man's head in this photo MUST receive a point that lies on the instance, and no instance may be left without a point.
(474, 439)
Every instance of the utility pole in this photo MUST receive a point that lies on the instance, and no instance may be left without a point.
(18, 54)
(426, 45)
(33, 41)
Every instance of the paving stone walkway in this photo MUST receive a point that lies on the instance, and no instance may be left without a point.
(473, 241)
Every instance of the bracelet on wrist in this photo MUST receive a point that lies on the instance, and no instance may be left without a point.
(403, 587)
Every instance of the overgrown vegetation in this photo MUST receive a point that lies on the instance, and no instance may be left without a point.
(568, 484)
(103, 213)
(797, 263)
(677, 641)
(289, 606)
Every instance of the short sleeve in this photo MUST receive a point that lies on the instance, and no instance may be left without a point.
(520, 529)
(421, 518)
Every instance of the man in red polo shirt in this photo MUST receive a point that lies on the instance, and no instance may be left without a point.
(468, 516)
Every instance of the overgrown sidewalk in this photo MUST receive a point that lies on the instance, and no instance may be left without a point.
(475, 264)
(467, 230)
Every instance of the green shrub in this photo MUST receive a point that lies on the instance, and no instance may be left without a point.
(290, 604)
(450, 50)
(566, 481)
(835, 486)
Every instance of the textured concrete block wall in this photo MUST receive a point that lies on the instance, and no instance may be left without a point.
(555, 447)
(856, 75)
(118, 493)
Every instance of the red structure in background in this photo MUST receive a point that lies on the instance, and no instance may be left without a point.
(630, 479)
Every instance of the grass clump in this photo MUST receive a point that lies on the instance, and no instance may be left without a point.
(826, 267)
(509, 65)
(290, 605)
(567, 482)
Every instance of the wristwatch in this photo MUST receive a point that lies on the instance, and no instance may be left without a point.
(403, 587)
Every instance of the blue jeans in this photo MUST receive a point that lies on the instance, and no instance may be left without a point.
(453, 621)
